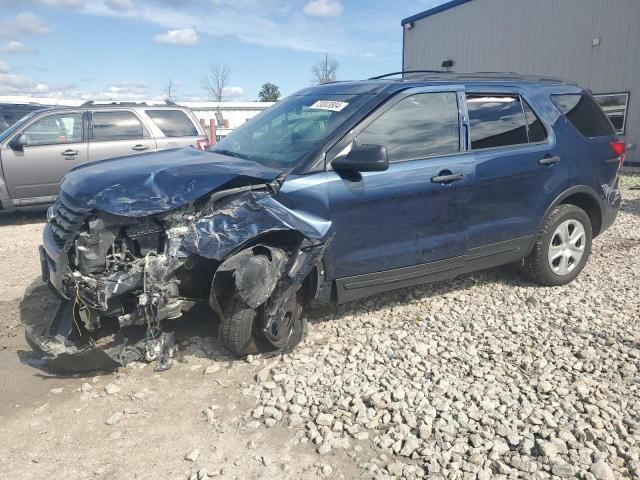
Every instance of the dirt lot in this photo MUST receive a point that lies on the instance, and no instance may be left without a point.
(486, 376)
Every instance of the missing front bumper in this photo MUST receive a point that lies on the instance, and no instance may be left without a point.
(62, 347)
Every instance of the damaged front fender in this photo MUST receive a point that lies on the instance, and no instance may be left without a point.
(230, 226)
(255, 272)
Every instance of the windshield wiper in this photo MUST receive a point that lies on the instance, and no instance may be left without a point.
(229, 153)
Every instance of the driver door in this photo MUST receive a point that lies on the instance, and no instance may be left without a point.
(408, 224)
(53, 144)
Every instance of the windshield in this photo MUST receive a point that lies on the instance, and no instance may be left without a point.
(9, 131)
(284, 134)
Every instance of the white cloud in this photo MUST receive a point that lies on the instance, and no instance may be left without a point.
(65, 4)
(267, 23)
(120, 5)
(69, 4)
(323, 8)
(14, 47)
(4, 67)
(125, 90)
(369, 55)
(233, 92)
(185, 37)
(17, 83)
(24, 24)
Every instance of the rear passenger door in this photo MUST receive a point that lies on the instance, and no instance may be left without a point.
(520, 168)
(116, 133)
(176, 128)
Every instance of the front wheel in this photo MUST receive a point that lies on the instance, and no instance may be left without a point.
(562, 247)
(243, 329)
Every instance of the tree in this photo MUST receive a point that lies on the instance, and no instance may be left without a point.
(169, 90)
(216, 81)
(324, 71)
(269, 92)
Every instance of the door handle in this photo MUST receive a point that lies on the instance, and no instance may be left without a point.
(549, 160)
(448, 178)
(70, 153)
(140, 147)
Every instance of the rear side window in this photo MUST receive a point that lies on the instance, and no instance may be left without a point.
(418, 126)
(584, 114)
(537, 132)
(173, 123)
(116, 126)
(496, 121)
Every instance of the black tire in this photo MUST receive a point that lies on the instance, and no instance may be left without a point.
(239, 333)
(536, 266)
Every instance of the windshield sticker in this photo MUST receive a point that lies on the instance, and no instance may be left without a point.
(332, 105)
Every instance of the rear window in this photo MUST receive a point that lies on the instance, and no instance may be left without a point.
(173, 123)
(585, 114)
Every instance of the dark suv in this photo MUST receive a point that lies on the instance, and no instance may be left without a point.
(338, 192)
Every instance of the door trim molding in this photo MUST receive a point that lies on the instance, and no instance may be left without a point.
(479, 258)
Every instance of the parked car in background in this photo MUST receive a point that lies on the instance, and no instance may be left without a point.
(10, 113)
(37, 151)
(338, 192)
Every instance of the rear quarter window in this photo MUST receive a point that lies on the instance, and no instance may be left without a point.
(584, 114)
(173, 123)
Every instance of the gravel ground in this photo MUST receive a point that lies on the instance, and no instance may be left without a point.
(485, 376)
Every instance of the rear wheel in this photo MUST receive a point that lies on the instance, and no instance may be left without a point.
(562, 248)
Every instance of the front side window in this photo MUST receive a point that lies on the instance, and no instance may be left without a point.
(173, 123)
(55, 130)
(615, 107)
(116, 126)
(584, 114)
(496, 121)
(419, 126)
(281, 136)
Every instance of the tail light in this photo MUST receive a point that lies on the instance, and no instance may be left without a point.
(620, 147)
(203, 144)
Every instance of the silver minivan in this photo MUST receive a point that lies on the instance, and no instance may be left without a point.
(37, 151)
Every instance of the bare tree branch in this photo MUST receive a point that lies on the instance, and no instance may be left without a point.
(169, 90)
(324, 71)
(216, 81)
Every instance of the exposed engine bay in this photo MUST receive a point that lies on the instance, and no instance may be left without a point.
(125, 276)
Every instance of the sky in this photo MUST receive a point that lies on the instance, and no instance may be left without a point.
(129, 49)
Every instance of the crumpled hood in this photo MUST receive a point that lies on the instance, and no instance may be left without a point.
(140, 185)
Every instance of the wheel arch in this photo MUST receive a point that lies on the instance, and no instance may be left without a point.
(584, 197)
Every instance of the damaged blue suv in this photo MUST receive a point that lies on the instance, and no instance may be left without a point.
(339, 192)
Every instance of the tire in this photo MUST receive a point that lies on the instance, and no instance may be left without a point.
(239, 331)
(562, 247)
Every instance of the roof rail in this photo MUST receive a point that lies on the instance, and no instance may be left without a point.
(402, 72)
(90, 103)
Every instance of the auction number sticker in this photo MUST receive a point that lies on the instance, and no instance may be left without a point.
(332, 105)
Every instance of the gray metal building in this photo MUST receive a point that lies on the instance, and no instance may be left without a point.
(595, 43)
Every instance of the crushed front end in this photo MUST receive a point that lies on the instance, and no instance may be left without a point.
(120, 277)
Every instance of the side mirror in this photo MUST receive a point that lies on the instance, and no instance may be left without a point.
(19, 142)
(363, 158)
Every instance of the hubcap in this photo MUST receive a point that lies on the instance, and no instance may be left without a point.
(566, 247)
